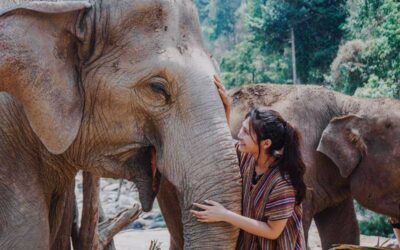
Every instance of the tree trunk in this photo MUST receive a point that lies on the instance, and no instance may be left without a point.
(293, 42)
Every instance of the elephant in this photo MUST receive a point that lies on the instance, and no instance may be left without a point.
(95, 86)
(351, 147)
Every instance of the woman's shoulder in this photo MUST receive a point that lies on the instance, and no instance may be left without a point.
(280, 180)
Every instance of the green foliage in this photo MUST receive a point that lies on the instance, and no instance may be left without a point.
(224, 20)
(247, 64)
(217, 17)
(347, 69)
(378, 63)
(373, 224)
(203, 9)
(261, 37)
(376, 225)
(317, 32)
(378, 87)
(362, 18)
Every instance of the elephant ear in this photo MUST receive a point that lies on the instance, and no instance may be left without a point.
(38, 67)
(342, 142)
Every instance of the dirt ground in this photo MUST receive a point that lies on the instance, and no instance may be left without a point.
(140, 240)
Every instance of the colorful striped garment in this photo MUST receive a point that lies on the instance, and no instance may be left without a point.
(271, 198)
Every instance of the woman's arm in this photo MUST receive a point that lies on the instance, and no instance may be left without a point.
(216, 212)
(270, 229)
(224, 97)
(227, 107)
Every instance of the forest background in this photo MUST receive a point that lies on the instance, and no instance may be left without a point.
(351, 46)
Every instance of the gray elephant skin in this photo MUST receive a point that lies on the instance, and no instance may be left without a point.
(95, 86)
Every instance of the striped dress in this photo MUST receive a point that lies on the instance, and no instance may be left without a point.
(271, 198)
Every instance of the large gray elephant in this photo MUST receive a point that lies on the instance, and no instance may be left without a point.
(90, 86)
(351, 150)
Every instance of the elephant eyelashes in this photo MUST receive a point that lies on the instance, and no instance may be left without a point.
(159, 88)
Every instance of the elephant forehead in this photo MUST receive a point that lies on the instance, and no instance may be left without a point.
(171, 65)
(156, 19)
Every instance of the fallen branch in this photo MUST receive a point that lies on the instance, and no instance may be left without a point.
(103, 217)
(110, 227)
(155, 245)
(97, 231)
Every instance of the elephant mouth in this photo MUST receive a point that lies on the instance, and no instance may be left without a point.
(155, 174)
(138, 163)
(122, 154)
(147, 177)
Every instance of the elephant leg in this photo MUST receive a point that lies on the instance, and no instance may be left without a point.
(24, 217)
(307, 215)
(62, 239)
(169, 205)
(338, 225)
(88, 232)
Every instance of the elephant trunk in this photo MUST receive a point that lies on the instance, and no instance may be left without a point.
(202, 164)
(215, 177)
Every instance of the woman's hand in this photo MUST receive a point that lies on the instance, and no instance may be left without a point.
(213, 212)
(216, 212)
(224, 96)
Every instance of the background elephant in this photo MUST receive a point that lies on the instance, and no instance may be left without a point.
(89, 86)
(351, 149)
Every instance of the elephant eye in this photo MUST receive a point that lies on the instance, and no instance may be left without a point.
(158, 87)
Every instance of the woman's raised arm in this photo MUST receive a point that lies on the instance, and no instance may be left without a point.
(224, 96)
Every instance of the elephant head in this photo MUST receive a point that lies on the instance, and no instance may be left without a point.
(103, 82)
(366, 150)
(246, 97)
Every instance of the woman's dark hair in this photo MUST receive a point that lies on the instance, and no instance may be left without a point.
(269, 124)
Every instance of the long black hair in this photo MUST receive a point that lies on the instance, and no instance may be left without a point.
(285, 146)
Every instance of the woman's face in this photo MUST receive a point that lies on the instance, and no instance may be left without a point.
(247, 139)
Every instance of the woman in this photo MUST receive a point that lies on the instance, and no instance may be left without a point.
(273, 188)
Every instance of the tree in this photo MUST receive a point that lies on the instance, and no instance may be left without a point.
(203, 9)
(316, 27)
(217, 16)
(252, 39)
(376, 24)
(247, 64)
(223, 22)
